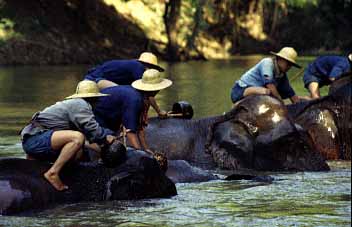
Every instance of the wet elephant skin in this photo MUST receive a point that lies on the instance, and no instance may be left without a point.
(328, 120)
(256, 134)
(23, 189)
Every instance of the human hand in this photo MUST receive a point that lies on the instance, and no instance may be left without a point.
(162, 114)
(110, 139)
(304, 98)
(149, 151)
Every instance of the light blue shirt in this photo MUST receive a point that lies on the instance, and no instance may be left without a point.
(267, 72)
(259, 75)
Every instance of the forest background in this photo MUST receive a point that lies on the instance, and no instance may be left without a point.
(40, 32)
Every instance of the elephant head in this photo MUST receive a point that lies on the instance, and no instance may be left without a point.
(258, 134)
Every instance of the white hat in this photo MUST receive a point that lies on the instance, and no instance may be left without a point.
(86, 89)
(151, 81)
(289, 54)
(150, 60)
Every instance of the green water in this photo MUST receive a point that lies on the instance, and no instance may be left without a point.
(300, 199)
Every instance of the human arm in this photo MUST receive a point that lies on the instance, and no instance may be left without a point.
(273, 91)
(141, 135)
(81, 116)
(133, 140)
(161, 113)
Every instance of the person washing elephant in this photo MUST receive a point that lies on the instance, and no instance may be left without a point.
(58, 133)
(268, 77)
(128, 106)
(324, 70)
(124, 72)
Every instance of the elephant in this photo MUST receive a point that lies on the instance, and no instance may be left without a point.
(23, 187)
(328, 120)
(256, 134)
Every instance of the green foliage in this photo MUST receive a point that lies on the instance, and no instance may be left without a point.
(7, 30)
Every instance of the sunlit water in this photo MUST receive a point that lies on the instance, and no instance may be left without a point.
(298, 199)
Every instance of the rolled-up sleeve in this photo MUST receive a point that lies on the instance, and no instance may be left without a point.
(267, 71)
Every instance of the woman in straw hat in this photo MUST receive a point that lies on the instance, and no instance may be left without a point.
(268, 77)
(57, 133)
(324, 70)
(128, 106)
(124, 72)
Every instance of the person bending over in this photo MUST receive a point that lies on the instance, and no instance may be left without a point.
(124, 72)
(58, 133)
(324, 70)
(268, 77)
(128, 106)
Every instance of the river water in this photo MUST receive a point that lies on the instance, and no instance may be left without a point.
(293, 199)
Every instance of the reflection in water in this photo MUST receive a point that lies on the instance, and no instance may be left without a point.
(301, 199)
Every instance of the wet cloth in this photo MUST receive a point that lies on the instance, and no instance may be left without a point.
(123, 106)
(71, 114)
(263, 73)
(326, 67)
(122, 72)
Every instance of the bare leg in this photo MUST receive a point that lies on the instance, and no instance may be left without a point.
(314, 90)
(256, 91)
(105, 83)
(70, 142)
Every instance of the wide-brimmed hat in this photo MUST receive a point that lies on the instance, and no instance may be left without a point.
(289, 54)
(150, 60)
(86, 89)
(151, 81)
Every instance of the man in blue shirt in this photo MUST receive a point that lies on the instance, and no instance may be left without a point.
(268, 77)
(124, 72)
(324, 70)
(126, 106)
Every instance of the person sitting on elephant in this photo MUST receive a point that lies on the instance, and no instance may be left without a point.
(124, 72)
(324, 70)
(268, 77)
(58, 133)
(128, 106)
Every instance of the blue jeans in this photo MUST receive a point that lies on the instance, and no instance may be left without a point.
(39, 146)
(237, 93)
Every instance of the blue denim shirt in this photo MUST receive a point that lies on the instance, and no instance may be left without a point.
(267, 72)
(123, 106)
(122, 72)
(325, 67)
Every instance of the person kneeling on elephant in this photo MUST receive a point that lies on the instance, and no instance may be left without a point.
(124, 72)
(324, 70)
(58, 133)
(268, 77)
(128, 106)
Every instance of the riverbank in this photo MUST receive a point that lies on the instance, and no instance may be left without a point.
(88, 32)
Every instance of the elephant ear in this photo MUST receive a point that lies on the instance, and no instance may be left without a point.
(232, 146)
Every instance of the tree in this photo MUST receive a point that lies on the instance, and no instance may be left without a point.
(171, 16)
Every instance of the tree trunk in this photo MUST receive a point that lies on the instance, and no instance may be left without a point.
(171, 16)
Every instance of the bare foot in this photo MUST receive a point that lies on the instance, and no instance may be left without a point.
(55, 181)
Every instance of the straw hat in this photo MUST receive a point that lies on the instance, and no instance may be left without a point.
(151, 81)
(150, 60)
(289, 54)
(86, 89)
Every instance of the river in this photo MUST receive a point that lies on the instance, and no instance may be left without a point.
(295, 199)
